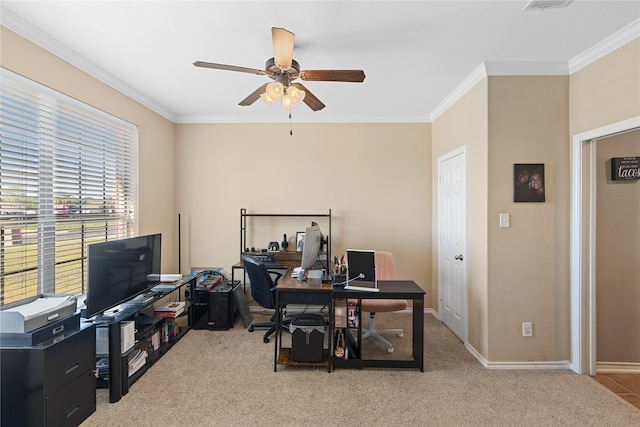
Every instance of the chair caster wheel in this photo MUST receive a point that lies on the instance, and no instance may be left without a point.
(250, 329)
(265, 340)
(390, 350)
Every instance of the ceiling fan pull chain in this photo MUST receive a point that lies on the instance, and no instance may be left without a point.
(290, 125)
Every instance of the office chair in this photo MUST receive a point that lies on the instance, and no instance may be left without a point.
(385, 270)
(263, 291)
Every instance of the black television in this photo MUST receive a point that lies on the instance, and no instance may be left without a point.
(121, 269)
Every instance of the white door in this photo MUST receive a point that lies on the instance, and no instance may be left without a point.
(452, 285)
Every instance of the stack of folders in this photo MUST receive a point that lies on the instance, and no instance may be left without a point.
(137, 359)
(172, 309)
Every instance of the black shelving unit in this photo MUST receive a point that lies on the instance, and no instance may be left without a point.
(117, 378)
(244, 229)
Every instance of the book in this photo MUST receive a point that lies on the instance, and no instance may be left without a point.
(176, 306)
(168, 313)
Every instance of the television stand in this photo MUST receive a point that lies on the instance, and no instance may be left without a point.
(117, 379)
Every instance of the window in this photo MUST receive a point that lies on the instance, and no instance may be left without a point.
(68, 178)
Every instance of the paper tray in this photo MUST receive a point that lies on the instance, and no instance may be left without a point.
(35, 312)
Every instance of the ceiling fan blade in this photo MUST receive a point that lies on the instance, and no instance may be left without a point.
(310, 99)
(283, 41)
(253, 97)
(354, 76)
(230, 68)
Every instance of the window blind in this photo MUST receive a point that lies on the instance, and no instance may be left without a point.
(68, 178)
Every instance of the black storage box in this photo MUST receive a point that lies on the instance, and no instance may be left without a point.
(307, 337)
(216, 308)
(41, 334)
(147, 325)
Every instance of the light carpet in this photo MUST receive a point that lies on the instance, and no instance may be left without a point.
(226, 378)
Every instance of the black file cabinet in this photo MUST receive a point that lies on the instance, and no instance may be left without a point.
(52, 383)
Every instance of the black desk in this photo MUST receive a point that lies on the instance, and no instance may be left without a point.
(313, 291)
(390, 289)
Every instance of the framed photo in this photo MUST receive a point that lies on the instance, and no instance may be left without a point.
(299, 241)
(528, 182)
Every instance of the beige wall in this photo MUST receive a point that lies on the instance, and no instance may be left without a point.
(606, 91)
(617, 254)
(603, 93)
(156, 134)
(465, 123)
(528, 263)
(375, 178)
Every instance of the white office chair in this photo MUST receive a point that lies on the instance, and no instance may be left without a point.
(385, 270)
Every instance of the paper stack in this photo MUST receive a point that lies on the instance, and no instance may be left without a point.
(172, 309)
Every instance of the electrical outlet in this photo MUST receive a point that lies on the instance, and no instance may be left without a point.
(527, 329)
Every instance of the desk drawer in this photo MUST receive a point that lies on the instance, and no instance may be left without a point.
(310, 298)
(73, 403)
(69, 359)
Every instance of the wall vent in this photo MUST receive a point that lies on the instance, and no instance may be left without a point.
(546, 4)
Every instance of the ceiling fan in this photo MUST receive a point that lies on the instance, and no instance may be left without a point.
(283, 69)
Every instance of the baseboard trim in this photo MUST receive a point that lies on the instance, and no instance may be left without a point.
(432, 312)
(617, 368)
(561, 364)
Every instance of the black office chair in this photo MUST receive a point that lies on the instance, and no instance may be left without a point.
(263, 291)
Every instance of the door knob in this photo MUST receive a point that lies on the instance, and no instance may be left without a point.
(458, 257)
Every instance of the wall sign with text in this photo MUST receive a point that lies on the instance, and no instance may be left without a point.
(627, 168)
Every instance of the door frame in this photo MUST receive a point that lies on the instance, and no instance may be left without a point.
(462, 150)
(583, 244)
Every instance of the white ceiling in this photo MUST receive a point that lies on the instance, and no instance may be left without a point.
(414, 53)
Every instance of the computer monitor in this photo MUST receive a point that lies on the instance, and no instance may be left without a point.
(311, 248)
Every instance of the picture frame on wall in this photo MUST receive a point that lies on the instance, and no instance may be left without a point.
(299, 241)
(528, 182)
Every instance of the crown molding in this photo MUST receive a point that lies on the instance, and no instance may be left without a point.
(36, 36)
(606, 46)
(303, 118)
(465, 86)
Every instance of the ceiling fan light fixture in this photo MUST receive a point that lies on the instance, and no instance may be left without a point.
(267, 99)
(292, 98)
(275, 90)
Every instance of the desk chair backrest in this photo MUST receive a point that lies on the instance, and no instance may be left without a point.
(262, 286)
(385, 268)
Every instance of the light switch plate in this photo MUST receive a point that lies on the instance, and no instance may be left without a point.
(505, 222)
